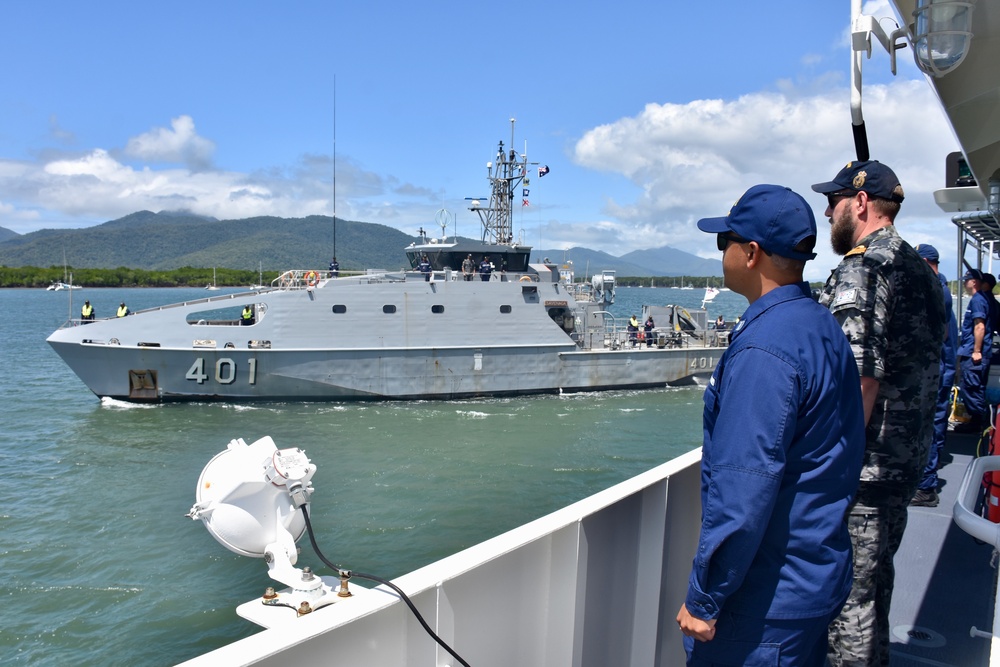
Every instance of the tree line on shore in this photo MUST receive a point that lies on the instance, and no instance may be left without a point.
(40, 277)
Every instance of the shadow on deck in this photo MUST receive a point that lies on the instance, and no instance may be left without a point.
(945, 579)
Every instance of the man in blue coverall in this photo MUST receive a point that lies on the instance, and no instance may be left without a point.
(783, 446)
(974, 347)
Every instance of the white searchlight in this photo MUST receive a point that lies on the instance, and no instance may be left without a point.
(251, 499)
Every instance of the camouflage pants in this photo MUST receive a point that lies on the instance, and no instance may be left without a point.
(860, 635)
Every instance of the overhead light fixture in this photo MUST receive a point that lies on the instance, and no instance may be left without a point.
(942, 33)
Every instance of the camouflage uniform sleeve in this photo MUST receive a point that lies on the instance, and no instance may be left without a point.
(859, 296)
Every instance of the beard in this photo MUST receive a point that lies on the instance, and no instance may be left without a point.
(842, 233)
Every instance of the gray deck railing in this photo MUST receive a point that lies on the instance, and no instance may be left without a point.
(965, 517)
(592, 584)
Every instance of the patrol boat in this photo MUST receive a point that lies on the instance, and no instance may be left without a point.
(514, 328)
(599, 582)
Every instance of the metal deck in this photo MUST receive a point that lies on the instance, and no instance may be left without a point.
(945, 579)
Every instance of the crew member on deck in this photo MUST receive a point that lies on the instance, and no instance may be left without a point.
(334, 268)
(485, 269)
(425, 267)
(246, 319)
(647, 329)
(122, 310)
(468, 268)
(87, 313)
(633, 330)
(783, 443)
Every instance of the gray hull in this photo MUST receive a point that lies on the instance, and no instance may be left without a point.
(372, 337)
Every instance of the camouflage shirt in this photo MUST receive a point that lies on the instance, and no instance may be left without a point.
(890, 305)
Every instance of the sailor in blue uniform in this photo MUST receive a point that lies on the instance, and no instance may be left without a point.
(783, 447)
(425, 267)
(485, 269)
(973, 352)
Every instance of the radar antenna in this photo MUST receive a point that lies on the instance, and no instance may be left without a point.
(505, 175)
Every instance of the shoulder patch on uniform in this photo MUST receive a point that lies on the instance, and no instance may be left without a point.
(857, 250)
(844, 297)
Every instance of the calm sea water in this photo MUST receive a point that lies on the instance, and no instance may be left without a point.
(100, 566)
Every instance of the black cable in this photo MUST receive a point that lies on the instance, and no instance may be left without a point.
(403, 596)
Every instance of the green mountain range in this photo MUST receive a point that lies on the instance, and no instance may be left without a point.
(171, 240)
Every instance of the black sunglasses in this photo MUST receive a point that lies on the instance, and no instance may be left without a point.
(725, 238)
(834, 197)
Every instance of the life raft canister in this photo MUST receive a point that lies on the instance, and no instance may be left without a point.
(311, 279)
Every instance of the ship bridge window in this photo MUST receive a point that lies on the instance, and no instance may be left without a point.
(505, 310)
(389, 309)
(227, 316)
(437, 308)
(339, 309)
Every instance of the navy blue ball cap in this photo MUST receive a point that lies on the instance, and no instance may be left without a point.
(972, 274)
(772, 215)
(870, 176)
(928, 252)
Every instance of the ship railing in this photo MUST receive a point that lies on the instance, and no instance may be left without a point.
(299, 279)
(966, 517)
(580, 292)
(613, 334)
(294, 279)
(547, 580)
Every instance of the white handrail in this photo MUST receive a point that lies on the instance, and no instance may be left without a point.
(964, 510)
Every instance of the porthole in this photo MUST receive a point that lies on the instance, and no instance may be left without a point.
(339, 309)
(505, 309)
(437, 308)
(389, 309)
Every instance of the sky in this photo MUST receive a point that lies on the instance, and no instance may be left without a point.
(649, 115)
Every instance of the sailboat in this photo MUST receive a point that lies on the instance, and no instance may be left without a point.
(212, 285)
(710, 294)
(67, 282)
(260, 277)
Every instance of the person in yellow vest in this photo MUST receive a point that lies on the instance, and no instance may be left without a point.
(247, 318)
(633, 330)
(122, 310)
(87, 313)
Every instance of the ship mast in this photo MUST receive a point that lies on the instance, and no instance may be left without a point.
(505, 175)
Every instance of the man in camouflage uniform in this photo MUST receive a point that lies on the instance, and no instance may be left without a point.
(890, 306)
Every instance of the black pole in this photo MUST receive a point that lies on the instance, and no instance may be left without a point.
(861, 142)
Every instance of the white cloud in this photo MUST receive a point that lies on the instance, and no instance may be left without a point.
(179, 145)
(694, 160)
(96, 186)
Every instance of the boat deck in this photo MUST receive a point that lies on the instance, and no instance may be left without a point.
(945, 579)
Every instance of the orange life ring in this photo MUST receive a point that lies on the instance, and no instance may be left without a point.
(311, 279)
